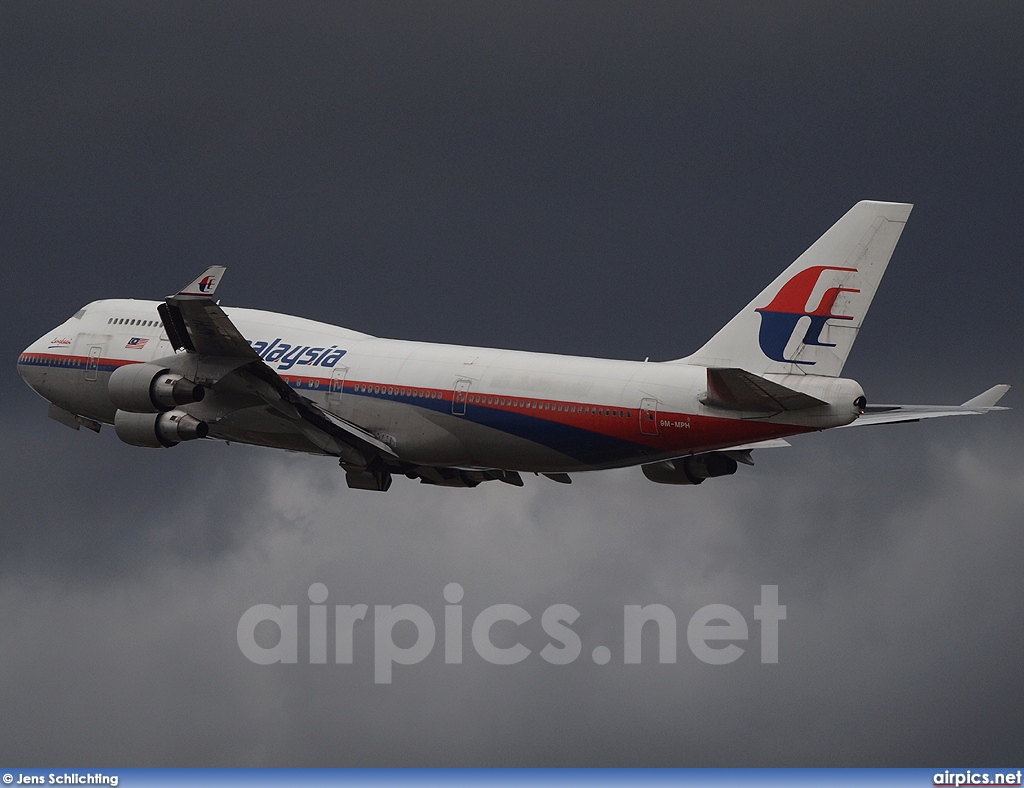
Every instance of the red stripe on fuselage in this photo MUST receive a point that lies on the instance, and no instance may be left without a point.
(677, 432)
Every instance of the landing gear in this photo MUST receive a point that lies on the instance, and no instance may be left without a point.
(379, 480)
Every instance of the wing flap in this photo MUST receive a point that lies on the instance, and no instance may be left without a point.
(269, 386)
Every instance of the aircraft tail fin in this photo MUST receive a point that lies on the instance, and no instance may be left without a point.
(805, 322)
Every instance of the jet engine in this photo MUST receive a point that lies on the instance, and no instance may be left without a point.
(148, 388)
(158, 430)
(691, 470)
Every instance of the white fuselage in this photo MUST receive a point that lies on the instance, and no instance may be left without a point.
(438, 405)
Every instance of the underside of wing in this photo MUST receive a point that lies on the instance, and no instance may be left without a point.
(197, 325)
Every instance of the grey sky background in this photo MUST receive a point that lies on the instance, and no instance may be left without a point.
(600, 179)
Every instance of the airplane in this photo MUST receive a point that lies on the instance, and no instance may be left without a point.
(186, 369)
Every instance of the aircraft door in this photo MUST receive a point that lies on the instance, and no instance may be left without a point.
(92, 366)
(91, 347)
(460, 396)
(649, 416)
(337, 387)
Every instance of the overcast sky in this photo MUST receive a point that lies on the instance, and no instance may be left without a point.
(601, 179)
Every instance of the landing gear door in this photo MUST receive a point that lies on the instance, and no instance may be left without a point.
(460, 396)
(649, 416)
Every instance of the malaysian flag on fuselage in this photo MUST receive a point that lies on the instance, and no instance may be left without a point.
(136, 343)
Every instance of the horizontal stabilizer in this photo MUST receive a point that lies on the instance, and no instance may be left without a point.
(893, 414)
(737, 389)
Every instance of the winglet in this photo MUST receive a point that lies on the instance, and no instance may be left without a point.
(988, 398)
(206, 283)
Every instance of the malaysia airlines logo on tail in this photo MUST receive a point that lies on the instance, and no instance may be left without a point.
(207, 283)
(780, 318)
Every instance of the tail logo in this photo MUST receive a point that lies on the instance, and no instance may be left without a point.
(779, 319)
(206, 283)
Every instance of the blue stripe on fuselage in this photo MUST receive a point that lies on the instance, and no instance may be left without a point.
(586, 446)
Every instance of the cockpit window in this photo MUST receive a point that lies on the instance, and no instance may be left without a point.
(79, 313)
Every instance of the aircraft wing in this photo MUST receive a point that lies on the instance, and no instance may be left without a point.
(893, 414)
(194, 322)
(771, 443)
(197, 324)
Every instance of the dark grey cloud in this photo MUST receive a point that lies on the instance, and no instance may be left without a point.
(597, 179)
(903, 615)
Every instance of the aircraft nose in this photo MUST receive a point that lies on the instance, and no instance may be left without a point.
(30, 363)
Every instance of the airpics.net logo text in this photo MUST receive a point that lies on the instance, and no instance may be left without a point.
(713, 633)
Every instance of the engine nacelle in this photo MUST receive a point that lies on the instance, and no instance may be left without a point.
(148, 388)
(158, 430)
(691, 470)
